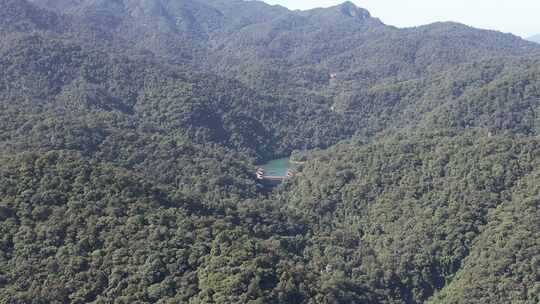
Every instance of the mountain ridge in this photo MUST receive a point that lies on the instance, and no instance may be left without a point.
(187, 14)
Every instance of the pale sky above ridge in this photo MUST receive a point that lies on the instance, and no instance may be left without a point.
(520, 17)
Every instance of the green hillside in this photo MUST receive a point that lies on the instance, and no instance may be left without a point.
(130, 133)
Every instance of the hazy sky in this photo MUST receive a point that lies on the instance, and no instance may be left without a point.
(521, 17)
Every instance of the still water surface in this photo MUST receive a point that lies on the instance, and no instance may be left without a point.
(278, 167)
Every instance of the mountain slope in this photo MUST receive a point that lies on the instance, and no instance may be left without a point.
(379, 71)
(77, 231)
(503, 265)
(63, 77)
(501, 95)
(130, 130)
(406, 212)
(243, 37)
(22, 16)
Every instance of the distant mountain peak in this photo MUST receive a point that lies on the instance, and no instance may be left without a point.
(350, 9)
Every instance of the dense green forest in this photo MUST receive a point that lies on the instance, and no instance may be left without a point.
(130, 132)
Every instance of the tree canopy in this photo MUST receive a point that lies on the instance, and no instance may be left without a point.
(130, 132)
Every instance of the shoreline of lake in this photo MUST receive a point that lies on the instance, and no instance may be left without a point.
(278, 167)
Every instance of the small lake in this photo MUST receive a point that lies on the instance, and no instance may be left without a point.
(278, 167)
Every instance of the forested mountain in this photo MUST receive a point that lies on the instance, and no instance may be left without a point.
(259, 43)
(60, 76)
(347, 61)
(130, 133)
(413, 213)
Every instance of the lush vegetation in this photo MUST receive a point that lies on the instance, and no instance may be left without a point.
(130, 130)
(411, 211)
